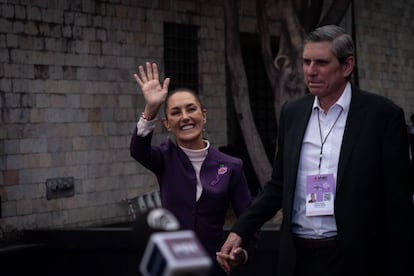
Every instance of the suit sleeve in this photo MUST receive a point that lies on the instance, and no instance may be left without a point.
(142, 151)
(241, 199)
(268, 201)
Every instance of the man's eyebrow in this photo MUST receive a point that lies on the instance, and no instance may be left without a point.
(316, 60)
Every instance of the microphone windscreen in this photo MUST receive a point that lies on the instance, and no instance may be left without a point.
(149, 222)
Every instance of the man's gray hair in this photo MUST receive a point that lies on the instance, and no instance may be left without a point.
(342, 44)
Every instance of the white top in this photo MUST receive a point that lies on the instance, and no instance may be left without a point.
(319, 226)
(196, 157)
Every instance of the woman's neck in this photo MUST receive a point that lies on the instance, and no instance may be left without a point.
(201, 144)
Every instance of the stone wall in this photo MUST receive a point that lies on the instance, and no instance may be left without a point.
(69, 102)
(385, 52)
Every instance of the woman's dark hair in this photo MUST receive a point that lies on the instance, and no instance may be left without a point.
(178, 90)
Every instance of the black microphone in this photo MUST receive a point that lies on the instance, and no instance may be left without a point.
(168, 250)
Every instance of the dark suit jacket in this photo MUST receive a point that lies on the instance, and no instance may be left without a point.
(222, 178)
(373, 206)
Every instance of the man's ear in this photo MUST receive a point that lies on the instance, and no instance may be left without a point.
(348, 66)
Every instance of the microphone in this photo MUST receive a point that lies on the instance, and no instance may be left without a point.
(151, 221)
(169, 251)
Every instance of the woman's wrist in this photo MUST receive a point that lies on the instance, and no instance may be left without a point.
(150, 113)
(147, 117)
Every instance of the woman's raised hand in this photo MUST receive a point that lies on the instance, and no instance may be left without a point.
(148, 80)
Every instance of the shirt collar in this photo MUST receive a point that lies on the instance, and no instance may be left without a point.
(344, 101)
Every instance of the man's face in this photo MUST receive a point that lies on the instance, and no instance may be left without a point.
(323, 74)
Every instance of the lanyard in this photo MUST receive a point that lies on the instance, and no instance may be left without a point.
(323, 140)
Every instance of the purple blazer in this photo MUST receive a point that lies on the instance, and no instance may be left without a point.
(222, 178)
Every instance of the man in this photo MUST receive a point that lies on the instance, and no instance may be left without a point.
(350, 147)
(312, 198)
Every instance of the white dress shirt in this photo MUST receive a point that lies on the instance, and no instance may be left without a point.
(332, 127)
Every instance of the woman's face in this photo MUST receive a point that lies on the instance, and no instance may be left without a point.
(185, 119)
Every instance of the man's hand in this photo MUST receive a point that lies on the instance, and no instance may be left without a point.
(231, 254)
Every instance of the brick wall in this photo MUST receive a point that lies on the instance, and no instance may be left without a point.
(384, 39)
(69, 101)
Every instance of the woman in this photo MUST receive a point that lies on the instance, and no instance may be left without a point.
(197, 182)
